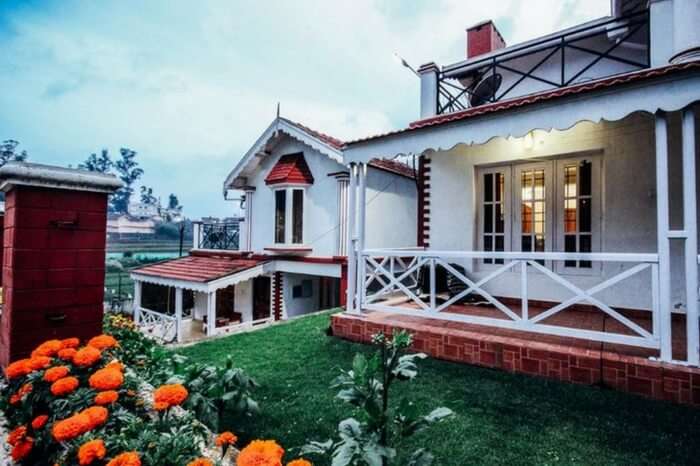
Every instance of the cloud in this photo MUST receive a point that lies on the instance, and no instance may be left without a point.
(190, 88)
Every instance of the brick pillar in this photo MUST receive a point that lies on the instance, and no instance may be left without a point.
(344, 284)
(277, 295)
(54, 255)
(423, 201)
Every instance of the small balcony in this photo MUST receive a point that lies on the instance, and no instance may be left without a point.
(590, 52)
(216, 236)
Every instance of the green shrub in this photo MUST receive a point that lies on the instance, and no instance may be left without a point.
(383, 427)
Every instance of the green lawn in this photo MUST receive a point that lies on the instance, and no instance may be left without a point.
(501, 418)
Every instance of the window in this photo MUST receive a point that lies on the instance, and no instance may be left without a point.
(494, 234)
(555, 208)
(303, 290)
(578, 207)
(289, 216)
(280, 215)
(297, 216)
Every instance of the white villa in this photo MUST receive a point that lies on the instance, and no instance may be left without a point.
(551, 227)
(293, 237)
(558, 198)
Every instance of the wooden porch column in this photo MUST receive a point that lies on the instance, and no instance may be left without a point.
(690, 225)
(137, 301)
(361, 230)
(663, 236)
(211, 313)
(178, 314)
(352, 267)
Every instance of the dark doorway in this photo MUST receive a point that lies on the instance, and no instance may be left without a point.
(261, 298)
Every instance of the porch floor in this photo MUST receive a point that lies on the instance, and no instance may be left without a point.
(578, 317)
(617, 366)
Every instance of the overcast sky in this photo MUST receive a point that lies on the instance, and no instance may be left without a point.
(191, 84)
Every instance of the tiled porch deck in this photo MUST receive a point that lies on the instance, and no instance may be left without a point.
(619, 367)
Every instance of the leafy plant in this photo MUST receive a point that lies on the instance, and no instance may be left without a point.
(216, 391)
(373, 440)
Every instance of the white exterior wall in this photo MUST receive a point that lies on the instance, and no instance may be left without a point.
(320, 206)
(243, 298)
(392, 210)
(628, 201)
(298, 306)
(391, 204)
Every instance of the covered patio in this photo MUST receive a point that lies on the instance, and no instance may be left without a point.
(199, 296)
(628, 292)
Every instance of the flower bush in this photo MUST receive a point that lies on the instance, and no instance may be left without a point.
(69, 404)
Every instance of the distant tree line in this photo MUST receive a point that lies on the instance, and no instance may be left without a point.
(127, 170)
(125, 167)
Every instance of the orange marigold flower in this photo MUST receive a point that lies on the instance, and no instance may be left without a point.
(200, 462)
(67, 354)
(14, 437)
(91, 451)
(18, 369)
(261, 453)
(226, 438)
(71, 427)
(106, 379)
(39, 421)
(103, 342)
(126, 459)
(70, 343)
(64, 386)
(87, 356)
(106, 398)
(172, 395)
(300, 462)
(116, 365)
(22, 449)
(52, 374)
(39, 362)
(48, 348)
(97, 415)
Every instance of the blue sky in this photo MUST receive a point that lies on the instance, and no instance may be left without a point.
(190, 85)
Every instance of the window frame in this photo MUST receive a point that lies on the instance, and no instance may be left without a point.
(289, 218)
(554, 206)
(596, 212)
(481, 215)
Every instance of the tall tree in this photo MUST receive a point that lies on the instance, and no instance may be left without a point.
(128, 172)
(9, 152)
(147, 197)
(102, 163)
(174, 202)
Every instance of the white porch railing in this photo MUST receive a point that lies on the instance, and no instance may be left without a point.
(157, 325)
(390, 282)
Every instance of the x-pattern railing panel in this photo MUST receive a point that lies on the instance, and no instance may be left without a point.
(160, 326)
(381, 268)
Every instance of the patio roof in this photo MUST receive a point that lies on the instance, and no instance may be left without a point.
(200, 273)
(667, 88)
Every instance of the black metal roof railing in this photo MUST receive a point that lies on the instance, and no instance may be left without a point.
(453, 96)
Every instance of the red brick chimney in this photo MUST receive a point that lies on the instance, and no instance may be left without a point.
(54, 255)
(483, 38)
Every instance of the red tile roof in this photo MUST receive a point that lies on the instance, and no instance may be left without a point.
(389, 165)
(330, 140)
(291, 168)
(393, 166)
(198, 268)
(538, 97)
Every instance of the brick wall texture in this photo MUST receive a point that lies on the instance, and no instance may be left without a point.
(53, 267)
(631, 374)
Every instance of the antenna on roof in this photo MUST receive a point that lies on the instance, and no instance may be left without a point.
(404, 63)
(278, 109)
